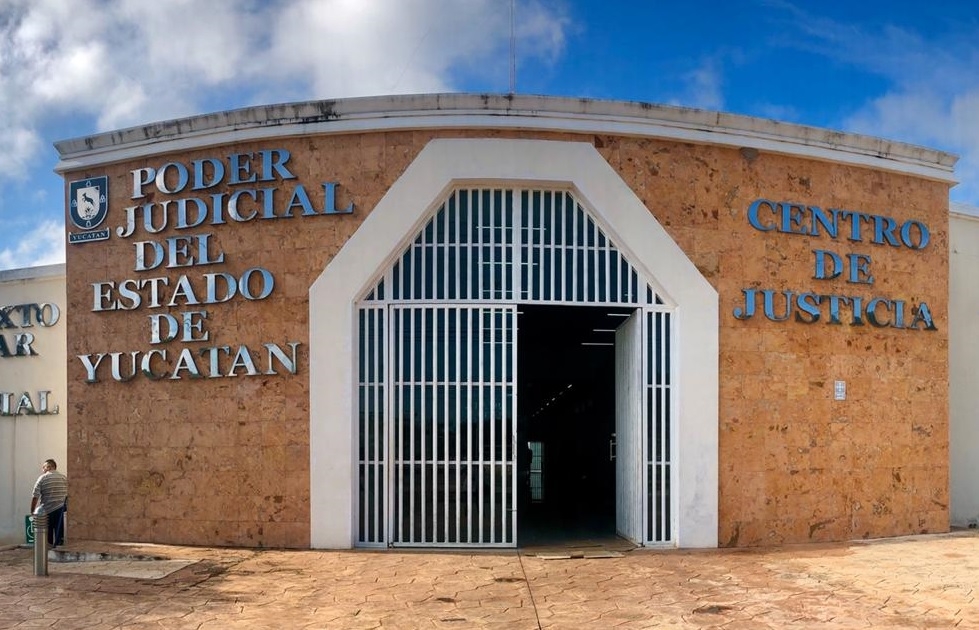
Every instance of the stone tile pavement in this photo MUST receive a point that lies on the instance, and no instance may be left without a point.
(916, 582)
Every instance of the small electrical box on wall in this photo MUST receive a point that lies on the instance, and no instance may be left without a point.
(839, 390)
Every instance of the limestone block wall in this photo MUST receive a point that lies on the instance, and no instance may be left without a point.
(211, 460)
(219, 459)
(795, 464)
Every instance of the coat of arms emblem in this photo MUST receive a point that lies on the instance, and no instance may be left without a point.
(88, 205)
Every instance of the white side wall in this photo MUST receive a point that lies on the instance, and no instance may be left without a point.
(27, 440)
(963, 358)
(402, 211)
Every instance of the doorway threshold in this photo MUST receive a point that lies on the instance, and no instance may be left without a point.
(585, 548)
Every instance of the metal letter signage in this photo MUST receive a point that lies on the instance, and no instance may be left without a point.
(179, 196)
(808, 307)
(24, 405)
(21, 344)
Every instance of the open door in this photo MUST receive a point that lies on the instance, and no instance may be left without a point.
(628, 424)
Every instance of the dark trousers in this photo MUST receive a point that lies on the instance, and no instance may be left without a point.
(56, 527)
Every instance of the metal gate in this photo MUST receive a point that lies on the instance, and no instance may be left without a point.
(658, 442)
(454, 425)
(628, 428)
(437, 368)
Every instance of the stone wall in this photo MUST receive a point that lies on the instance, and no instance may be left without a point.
(225, 460)
(795, 464)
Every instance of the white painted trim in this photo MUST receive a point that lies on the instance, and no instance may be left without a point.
(963, 210)
(398, 215)
(56, 271)
(536, 113)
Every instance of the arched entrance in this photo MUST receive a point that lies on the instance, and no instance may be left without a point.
(432, 411)
(439, 454)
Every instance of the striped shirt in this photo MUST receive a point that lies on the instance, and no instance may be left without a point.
(51, 489)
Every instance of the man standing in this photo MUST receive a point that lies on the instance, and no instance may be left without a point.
(50, 494)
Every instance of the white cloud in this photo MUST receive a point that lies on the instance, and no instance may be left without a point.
(105, 64)
(43, 245)
(17, 146)
(206, 42)
(702, 87)
(923, 113)
(933, 98)
(126, 62)
(356, 47)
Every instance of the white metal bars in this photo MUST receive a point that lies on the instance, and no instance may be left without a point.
(513, 245)
(659, 452)
(485, 247)
(372, 423)
(629, 419)
(568, 259)
(453, 422)
(464, 253)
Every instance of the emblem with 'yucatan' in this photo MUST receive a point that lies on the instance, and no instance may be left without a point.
(88, 207)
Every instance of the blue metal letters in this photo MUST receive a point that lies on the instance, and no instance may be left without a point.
(180, 196)
(809, 307)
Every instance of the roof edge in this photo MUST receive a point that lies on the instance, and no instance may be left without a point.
(33, 273)
(963, 209)
(502, 111)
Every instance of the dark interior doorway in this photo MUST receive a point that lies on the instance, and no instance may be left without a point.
(566, 408)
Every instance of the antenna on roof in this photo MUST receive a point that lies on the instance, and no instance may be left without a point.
(513, 50)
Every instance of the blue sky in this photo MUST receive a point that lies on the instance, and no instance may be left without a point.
(902, 70)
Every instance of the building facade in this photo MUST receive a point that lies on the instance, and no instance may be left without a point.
(461, 320)
(32, 396)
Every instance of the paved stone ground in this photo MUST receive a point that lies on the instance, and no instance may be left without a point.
(917, 582)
